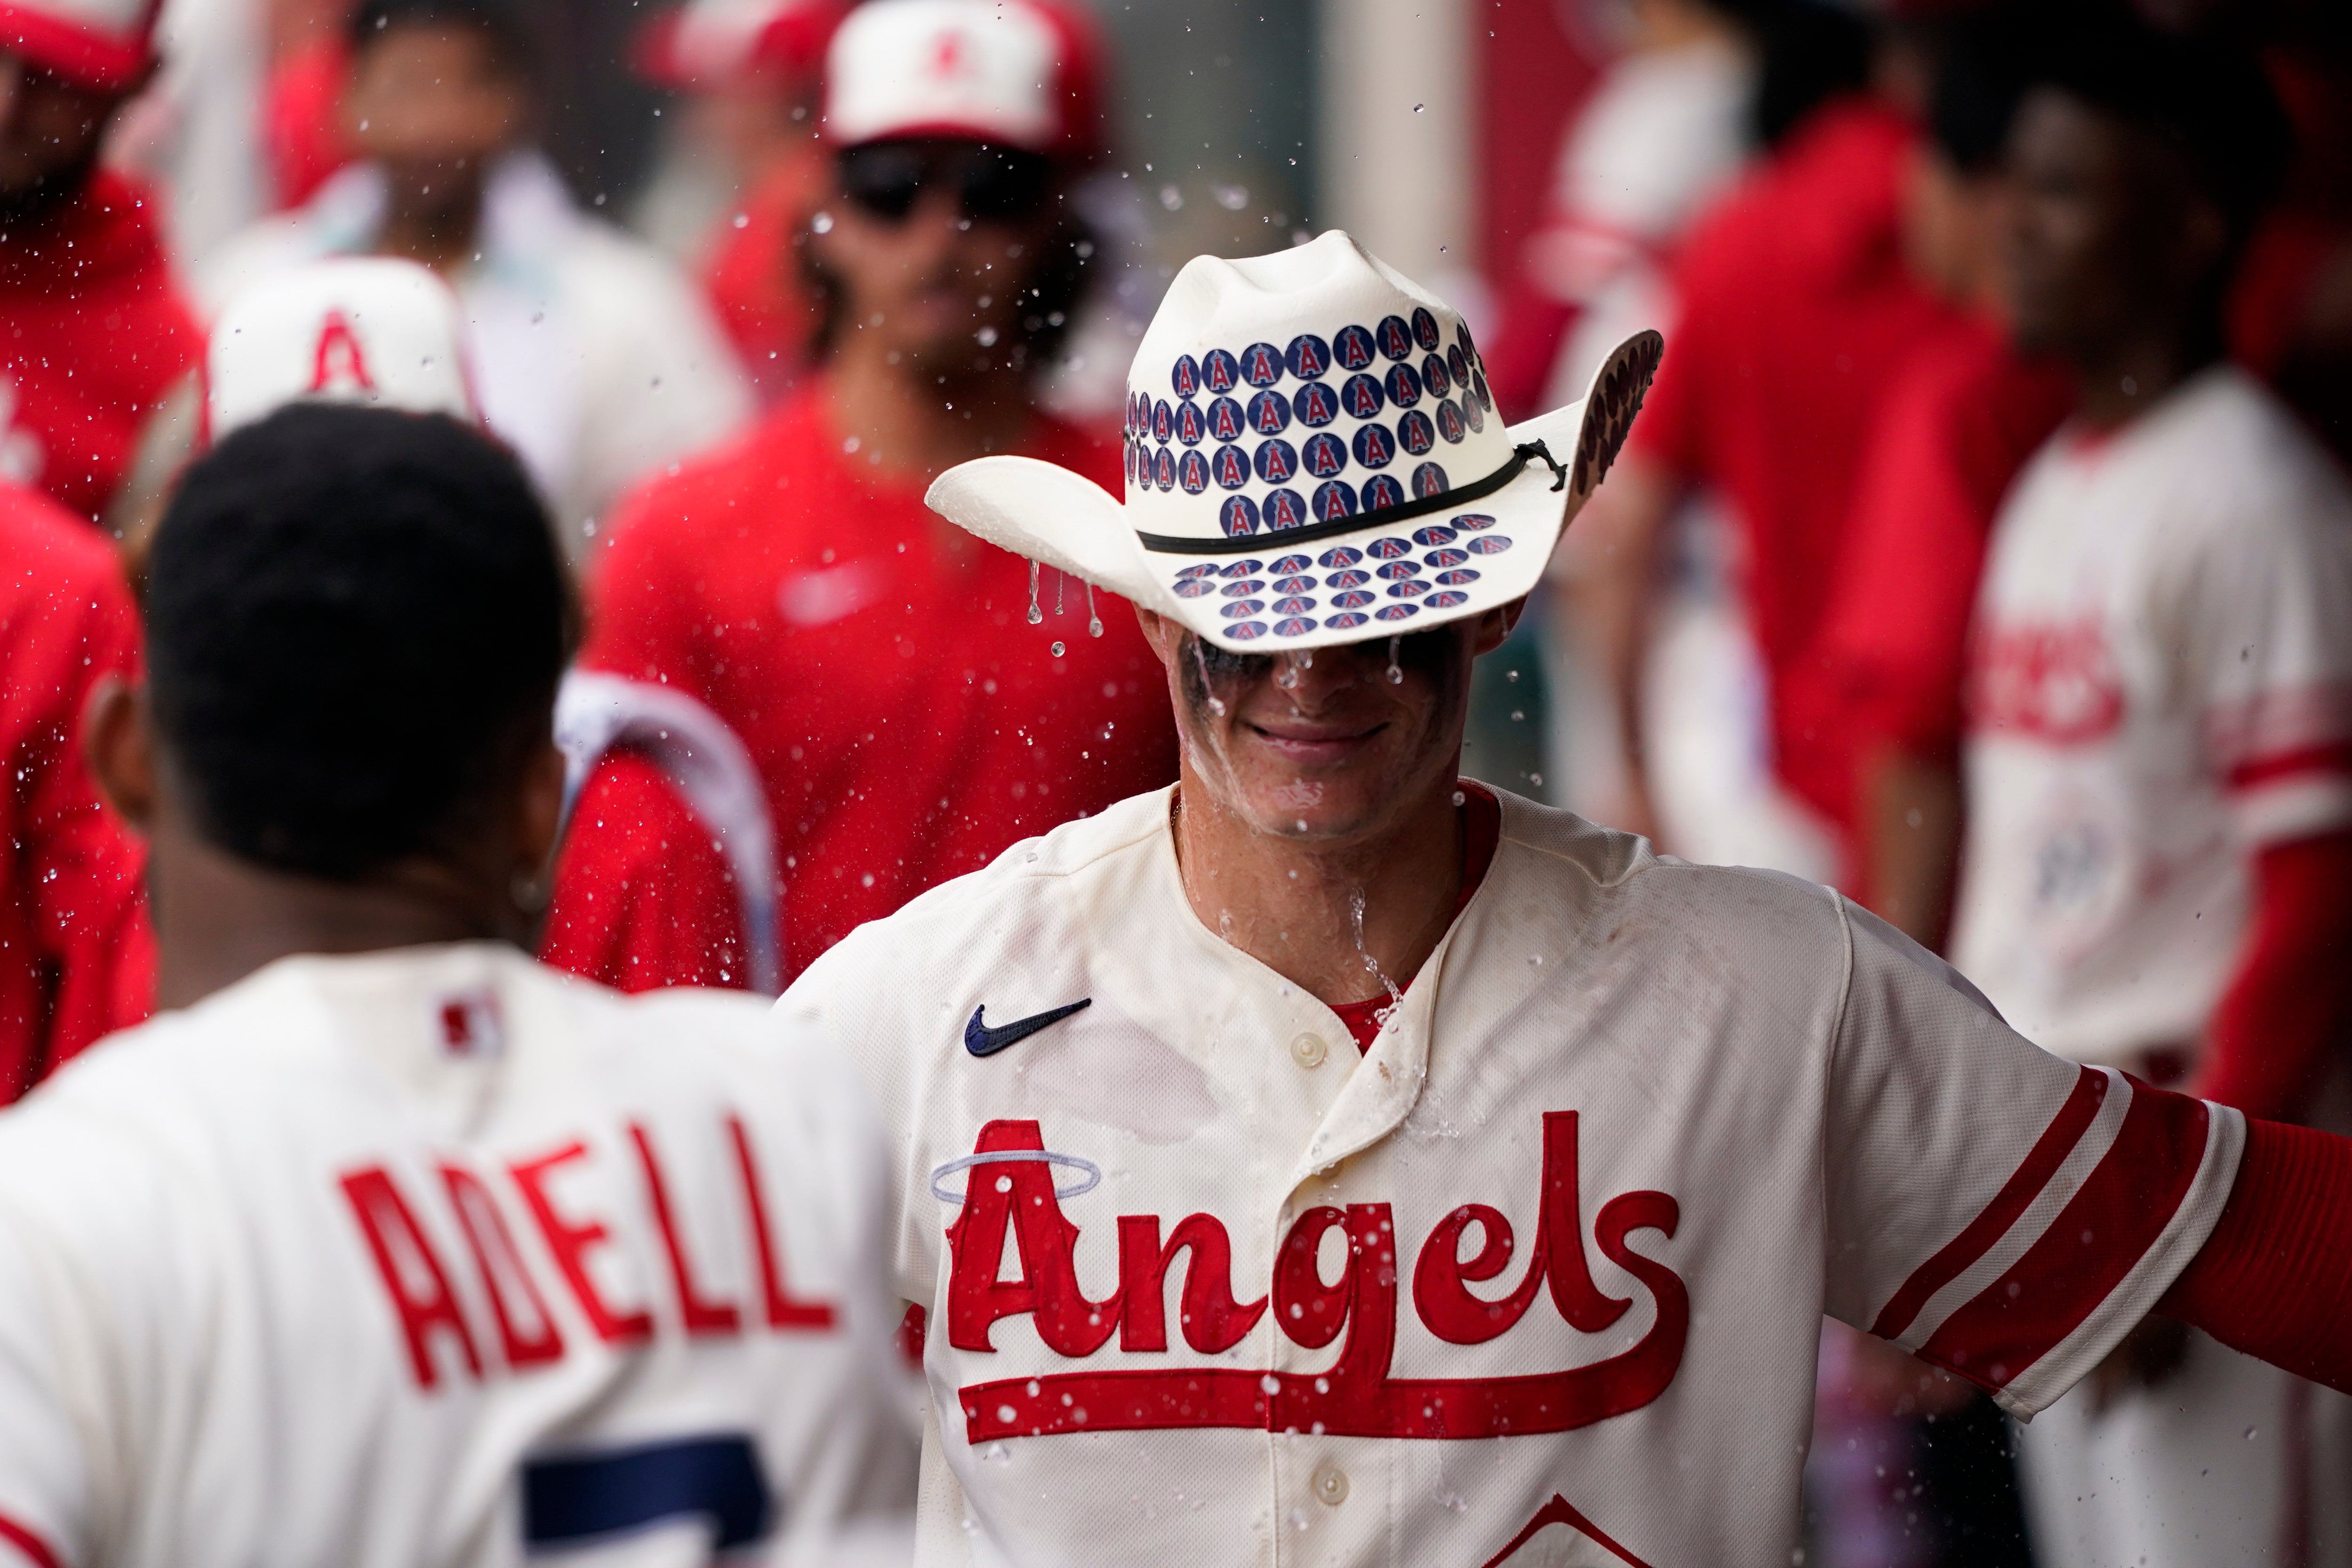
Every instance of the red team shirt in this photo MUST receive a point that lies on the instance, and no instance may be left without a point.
(908, 720)
(75, 956)
(93, 333)
(643, 895)
(1797, 310)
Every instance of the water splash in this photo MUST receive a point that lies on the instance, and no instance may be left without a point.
(1093, 622)
(1286, 673)
(1364, 951)
(1036, 615)
(1396, 644)
(1200, 658)
(1061, 590)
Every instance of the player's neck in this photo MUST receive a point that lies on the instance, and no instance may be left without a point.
(1343, 921)
(218, 919)
(913, 426)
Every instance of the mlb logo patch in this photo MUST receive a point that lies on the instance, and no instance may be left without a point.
(467, 1024)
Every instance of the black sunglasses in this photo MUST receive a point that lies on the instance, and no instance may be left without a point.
(991, 184)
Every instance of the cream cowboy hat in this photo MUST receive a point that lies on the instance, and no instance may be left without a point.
(1312, 459)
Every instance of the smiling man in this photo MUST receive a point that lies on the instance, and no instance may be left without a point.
(1415, 1173)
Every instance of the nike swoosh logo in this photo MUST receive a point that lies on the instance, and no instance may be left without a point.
(981, 1041)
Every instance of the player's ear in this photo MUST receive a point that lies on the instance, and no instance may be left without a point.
(1166, 637)
(539, 808)
(118, 741)
(1495, 626)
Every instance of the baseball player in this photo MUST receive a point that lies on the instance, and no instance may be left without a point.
(2158, 758)
(383, 1244)
(1336, 1161)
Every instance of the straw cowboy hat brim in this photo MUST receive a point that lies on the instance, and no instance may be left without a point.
(1379, 573)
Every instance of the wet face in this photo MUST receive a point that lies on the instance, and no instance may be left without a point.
(935, 244)
(1335, 747)
(434, 105)
(2105, 234)
(50, 131)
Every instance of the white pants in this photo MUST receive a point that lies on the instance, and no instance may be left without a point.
(2230, 1463)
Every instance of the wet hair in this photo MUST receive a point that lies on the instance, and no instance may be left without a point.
(356, 619)
(2204, 97)
(512, 38)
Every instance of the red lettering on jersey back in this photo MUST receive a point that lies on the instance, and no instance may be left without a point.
(786, 1310)
(572, 1242)
(2054, 680)
(530, 1336)
(339, 357)
(703, 1315)
(1213, 1322)
(1357, 1396)
(412, 1275)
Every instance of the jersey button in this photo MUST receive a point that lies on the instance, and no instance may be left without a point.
(1308, 1051)
(1331, 1485)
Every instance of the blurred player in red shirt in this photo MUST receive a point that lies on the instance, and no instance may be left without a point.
(93, 329)
(75, 960)
(1796, 306)
(1957, 419)
(915, 701)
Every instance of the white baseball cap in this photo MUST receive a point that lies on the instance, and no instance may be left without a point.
(1018, 73)
(367, 330)
(1312, 458)
(102, 44)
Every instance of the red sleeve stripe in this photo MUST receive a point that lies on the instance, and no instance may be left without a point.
(2334, 759)
(2049, 1151)
(35, 1551)
(2089, 1251)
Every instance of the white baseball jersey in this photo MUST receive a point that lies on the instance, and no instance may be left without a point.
(436, 1257)
(1539, 1280)
(2161, 682)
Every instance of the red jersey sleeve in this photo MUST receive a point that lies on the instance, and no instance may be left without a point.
(642, 598)
(643, 895)
(1992, 1209)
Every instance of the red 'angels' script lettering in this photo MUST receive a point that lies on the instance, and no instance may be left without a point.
(1355, 1398)
(2054, 680)
(433, 1301)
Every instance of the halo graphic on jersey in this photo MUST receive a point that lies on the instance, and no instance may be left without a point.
(1237, 516)
(1404, 386)
(1269, 414)
(1362, 397)
(1186, 377)
(1190, 425)
(1089, 1173)
(1232, 467)
(1225, 419)
(1325, 456)
(1317, 405)
(1277, 460)
(1307, 356)
(1374, 445)
(1286, 510)
(1352, 348)
(1219, 371)
(1261, 364)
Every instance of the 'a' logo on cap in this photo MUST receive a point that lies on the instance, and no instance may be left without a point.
(339, 360)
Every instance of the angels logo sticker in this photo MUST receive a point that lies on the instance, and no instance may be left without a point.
(1230, 468)
(1362, 397)
(1269, 414)
(1307, 358)
(1192, 473)
(1434, 377)
(1396, 338)
(1186, 377)
(1325, 456)
(1424, 328)
(1317, 405)
(1163, 421)
(1429, 479)
(1334, 499)
(1163, 470)
(1190, 425)
(1261, 364)
(1353, 348)
(1219, 371)
(1382, 492)
(1277, 461)
(1225, 419)
(1374, 446)
(1449, 421)
(1404, 387)
(1237, 516)
(1286, 510)
(1415, 434)
(339, 362)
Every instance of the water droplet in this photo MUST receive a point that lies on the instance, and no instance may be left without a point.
(1093, 622)
(1396, 671)
(821, 223)
(1035, 613)
(1233, 198)
(1419, 107)
(1172, 198)
(1058, 650)
(986, 336)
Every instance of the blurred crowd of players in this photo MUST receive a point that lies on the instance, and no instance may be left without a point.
(1994, 334)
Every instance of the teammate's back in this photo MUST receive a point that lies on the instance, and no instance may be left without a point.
(382, 1244)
